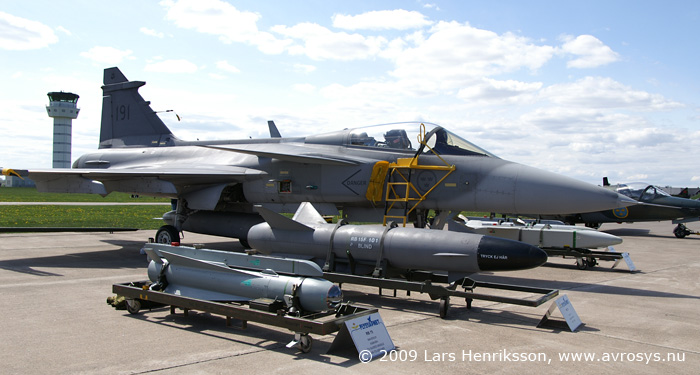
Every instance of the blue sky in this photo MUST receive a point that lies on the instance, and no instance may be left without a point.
(585, 89)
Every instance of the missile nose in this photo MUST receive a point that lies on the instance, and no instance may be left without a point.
(498, 254)
(334, 297)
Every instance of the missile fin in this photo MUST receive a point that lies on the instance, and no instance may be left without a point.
(153, 255)
(277, 221)
(455, 226)
(184, 261)
(307, 214)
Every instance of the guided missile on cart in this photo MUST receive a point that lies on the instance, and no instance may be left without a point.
(546, 236)
(364, 249)
(224, 276)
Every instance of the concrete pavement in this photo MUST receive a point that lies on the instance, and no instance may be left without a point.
(55, 320)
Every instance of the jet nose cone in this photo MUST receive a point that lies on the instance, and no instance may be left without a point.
(542, 192)
(497, 254)
(624, 201)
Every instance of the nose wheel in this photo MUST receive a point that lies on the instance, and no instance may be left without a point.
(167, 234)
(681, 231)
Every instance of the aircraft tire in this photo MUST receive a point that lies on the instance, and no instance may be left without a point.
(167, 234)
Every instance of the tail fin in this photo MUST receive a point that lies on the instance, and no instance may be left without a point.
(127, 119)
(274, 133)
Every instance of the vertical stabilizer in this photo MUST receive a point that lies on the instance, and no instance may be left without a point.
(274, 132)
(127, 119)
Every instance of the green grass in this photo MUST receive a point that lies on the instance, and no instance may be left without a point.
(140, 217)
(31, 195)
(122, 216)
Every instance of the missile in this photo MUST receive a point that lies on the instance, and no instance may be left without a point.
(546, 236)
(224, 276)
(361, 249)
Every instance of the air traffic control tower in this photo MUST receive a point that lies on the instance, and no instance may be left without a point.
(63, 107)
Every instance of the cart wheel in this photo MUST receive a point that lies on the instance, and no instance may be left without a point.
(592, 262)
(167, 234)
(581, 263)
(305, 342)
(469, 303)
(444, 306)
(133, 306)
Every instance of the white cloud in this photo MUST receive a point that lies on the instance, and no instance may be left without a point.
(304, 68)
(151, 32)
(222, 19)
(172, 66)
(567, 120)
(456, 54)
(18, 33)
(225, 66)
(600, 92)
(319, 43)
(646, 137)
(64, 30)
(213, 17)
(398, 19)
(107, 55)
(495, 91)
(590, 50)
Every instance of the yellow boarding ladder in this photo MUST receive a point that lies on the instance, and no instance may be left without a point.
(400, 189)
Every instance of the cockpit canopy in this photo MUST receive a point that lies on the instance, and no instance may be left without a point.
(405, 136)
(641, 191)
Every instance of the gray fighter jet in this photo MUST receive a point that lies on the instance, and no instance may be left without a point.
(394, 172)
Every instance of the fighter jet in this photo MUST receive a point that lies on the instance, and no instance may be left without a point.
(656, 205)
(389, 173)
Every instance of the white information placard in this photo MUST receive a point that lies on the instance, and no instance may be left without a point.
(628, 260)
(568, 312)
(370, 336)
